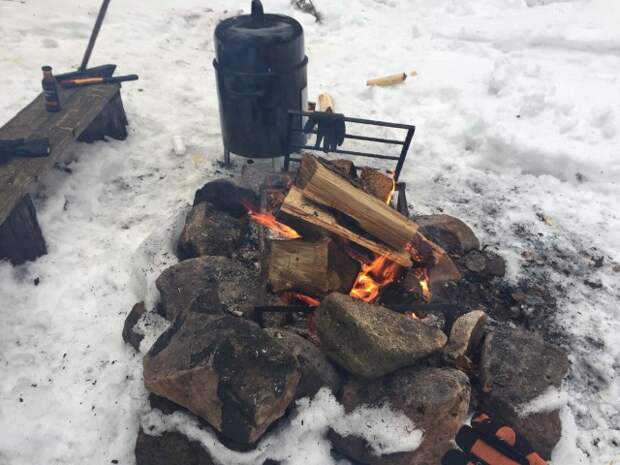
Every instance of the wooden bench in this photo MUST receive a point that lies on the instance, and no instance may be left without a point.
(88, 114)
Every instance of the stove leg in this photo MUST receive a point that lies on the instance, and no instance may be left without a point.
(227, 158)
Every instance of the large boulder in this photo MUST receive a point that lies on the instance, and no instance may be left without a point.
(436, 400)
(226, 370)
(316, 370)
(169, 449)
(371, 341)
(516, 367)
(234, 285)
(449, 232)
(209, 231)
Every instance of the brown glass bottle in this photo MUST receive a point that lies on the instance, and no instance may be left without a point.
(50, 90)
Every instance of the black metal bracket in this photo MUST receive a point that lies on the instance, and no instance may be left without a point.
(295, 120)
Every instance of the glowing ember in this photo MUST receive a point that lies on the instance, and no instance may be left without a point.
(269, 221)
(422, 277)
(306, 299)
(373, 277)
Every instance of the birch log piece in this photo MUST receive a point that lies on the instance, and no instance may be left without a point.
(387, 80)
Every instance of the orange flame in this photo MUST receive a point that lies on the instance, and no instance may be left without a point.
(373, 277)
(269, 221)
(422, 277)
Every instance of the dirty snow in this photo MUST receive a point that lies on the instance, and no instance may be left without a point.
(517, 107)
(301, 438)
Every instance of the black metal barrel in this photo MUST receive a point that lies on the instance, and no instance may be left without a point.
(261, 74)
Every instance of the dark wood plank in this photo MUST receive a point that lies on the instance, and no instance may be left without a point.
(80, 108)
(20, 235)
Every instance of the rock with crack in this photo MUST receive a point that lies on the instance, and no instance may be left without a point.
(316, 370)
(209, 231)
(226, 370)
(130, 335)
(230, 283)
(454, 236)
(169, 449)
(516, 367)
(436, 400)
(371, 341)
(465, 337)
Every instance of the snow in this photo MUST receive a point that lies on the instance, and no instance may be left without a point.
(301, 438)
(516, 104)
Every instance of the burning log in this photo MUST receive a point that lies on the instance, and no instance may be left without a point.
(295, 210)
(325, 187)
(315, 268)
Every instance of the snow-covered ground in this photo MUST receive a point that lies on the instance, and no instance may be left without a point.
(517, 107)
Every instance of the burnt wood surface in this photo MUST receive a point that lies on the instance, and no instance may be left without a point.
(80, 107)
(20, 235)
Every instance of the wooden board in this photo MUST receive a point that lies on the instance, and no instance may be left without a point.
(300, 208)
(81, 106)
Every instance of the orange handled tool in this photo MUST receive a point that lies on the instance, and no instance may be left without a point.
(489, 443)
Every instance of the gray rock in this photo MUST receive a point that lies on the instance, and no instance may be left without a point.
(209, 231)
(484, 263)
(169, 449)
(436, 400)
(371, 341)
(465, 336)
(226, 370)
(316, 370)
(516, 367)
(227, 195)
(232, 284)
(449, 232)
(130, 336)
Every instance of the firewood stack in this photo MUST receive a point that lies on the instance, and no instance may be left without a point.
(352, 240)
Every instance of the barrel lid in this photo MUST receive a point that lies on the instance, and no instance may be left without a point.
(260, 34)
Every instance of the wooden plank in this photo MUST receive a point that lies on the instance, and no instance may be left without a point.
(80, 108)
(300, 208)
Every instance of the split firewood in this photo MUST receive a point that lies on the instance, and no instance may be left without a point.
(387, 80)
(296, 209)
(377, 184)
(314, 268)
(326, 103)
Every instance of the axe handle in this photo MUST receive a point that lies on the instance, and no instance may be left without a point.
(94, 34)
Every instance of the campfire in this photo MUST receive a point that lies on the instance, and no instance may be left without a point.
(331, 230)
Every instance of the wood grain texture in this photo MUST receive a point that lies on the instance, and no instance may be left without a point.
(296, 206)
(374, 216)
(80, 107)
(311, 267)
